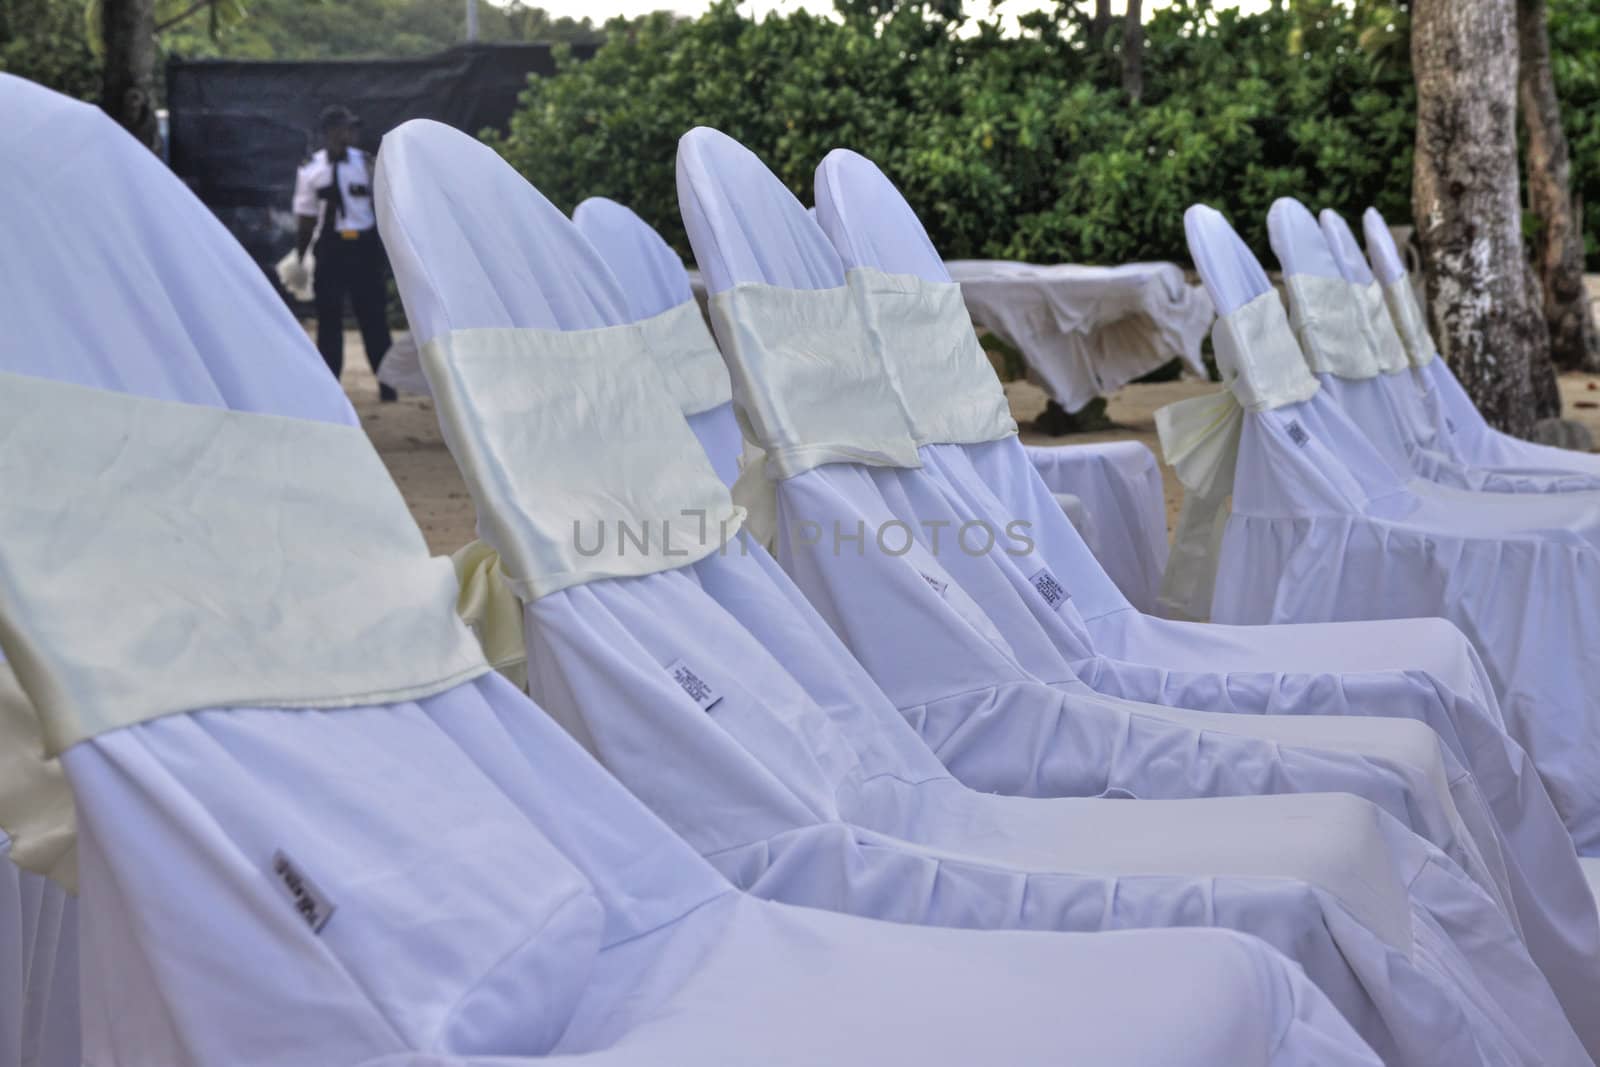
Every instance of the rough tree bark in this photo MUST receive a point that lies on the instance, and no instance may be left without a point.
(1100, 24)
(1133, 50)
(1558, 250)
(127, 91)
(1541, 370)
(1466, 199)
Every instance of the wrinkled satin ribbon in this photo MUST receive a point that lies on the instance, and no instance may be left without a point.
(1262, 367)
(1200, 439)
(36, 808)
(491, 610)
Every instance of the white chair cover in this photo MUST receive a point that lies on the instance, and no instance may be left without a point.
(1460, 429)
(1377, 387)
(496, 895)
(745, 766)
(1421, 669)
(1119, 486)
(38, 969)
(1322, 528)
(653, 281)
(922, 622)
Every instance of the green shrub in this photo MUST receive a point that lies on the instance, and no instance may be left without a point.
(1025, 146)
(43, 41)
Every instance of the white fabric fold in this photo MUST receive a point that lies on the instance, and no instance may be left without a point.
(307, 589)
(1408, 321)
(921, 331)
(1330, 323)
(806, 384)
(576, 473)
(681, 344)
(1263, 369)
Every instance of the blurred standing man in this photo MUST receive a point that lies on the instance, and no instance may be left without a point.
(333, 202)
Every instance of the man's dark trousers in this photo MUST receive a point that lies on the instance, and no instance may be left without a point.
(352, 267)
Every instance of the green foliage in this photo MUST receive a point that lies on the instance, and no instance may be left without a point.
(43, 41)
(1575, 59)
(1024, 145)
(355, 29)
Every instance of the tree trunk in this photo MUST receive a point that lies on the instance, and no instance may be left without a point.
(1558, 249)
(1133, 51)
(1100, 25)
(128, 84)
(1541, 370)
(1466, 200)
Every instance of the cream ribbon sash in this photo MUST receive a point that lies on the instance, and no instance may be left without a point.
(577, 455)
(808, 389)
(1387, 347)
(680, 342)
(1262, 368)
(159, 558)
(1408, 321)
(487, 605)
(36, 808)
(1200, 440)
(807, 385)
(575, 447)
(1329, 320)
(921, 332)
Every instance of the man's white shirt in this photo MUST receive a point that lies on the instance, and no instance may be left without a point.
(316, 174)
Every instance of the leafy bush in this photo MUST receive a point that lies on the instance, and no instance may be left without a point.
(1575, 58)
(43, 41)
(1023, 146)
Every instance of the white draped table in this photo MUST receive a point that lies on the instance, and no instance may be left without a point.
(1087, 331)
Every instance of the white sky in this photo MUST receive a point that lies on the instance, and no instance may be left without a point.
(600, 10)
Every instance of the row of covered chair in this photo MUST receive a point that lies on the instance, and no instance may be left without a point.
(845, 444)
(313, 826)
(1365, 485)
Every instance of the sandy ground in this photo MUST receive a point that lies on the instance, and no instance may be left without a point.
(406, 435)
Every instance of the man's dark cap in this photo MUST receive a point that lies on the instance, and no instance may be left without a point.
(337, 115)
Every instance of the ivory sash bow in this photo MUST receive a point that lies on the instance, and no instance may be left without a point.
(36, 808)
(1262, 368)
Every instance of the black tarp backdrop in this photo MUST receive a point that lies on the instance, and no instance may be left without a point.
(238, 129)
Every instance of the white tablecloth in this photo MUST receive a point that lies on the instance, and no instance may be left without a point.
(1087, 331)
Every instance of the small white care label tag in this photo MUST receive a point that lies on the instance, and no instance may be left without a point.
(938, 586)
(1054, 593)
(698, 688)
(1298, 435)
(312, 904)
